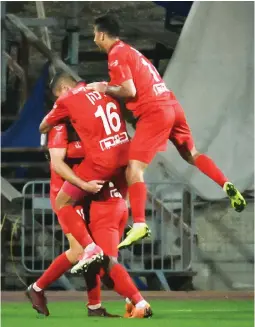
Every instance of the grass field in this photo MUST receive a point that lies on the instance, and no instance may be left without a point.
(196, 313)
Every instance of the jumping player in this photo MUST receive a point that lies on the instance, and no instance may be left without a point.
(160, 117)
(108, 217)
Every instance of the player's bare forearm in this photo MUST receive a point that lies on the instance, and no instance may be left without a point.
(63, 170)
(117, 92)
(125, 90)
(44, 127)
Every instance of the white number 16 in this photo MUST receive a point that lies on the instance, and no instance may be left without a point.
(111, 120)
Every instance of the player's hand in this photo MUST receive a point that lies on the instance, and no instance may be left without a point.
(93, 186)
(97, 86)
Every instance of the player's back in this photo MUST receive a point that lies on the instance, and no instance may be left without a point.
(98, 121)
(150, 87)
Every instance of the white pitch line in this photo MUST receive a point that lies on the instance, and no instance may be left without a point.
(201, 311)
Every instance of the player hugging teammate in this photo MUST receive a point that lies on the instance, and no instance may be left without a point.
(111, 160)
(108, 212)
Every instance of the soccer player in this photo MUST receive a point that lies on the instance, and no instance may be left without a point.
(160, 117)
(66, 152)
(108, 217)
(98, 122)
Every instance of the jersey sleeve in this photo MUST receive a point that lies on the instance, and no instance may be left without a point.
(57, 137)
(57, 114)
(119, 69)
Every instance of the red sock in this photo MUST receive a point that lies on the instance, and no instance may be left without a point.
(137, 198)
(71, 222)
(207, 166)
(123, 284)
(57, 268)
(93, 289)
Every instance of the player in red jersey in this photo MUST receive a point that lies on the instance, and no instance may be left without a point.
(108, 217)
(160, 117)
(98, 122)
(66, 152)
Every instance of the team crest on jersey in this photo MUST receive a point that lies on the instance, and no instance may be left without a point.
(78, 145)
(114, 63)
(58, 128)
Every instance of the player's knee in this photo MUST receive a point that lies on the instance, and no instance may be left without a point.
(62, 200)
(190, 155)
(112, 261)
(194, 154)
(135, 171)
(59, 204)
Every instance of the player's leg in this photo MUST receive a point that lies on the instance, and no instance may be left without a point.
(182, 139)
(151, 136)
(99, 217)
(106, 233)
(94, 306)
(129, 306)
(67, 214)
(58, 267)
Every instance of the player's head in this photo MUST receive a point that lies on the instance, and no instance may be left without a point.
(106, 31)
(62, 83)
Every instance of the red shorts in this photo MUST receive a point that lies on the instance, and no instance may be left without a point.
(88, 171)
(153, 130)
(107, 224)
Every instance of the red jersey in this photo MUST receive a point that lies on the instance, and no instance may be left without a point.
(124, 63)
(98, 121)
(58, 138)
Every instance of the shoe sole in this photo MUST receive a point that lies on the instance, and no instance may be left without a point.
(236, 198)
(148, 234)
(84, 266)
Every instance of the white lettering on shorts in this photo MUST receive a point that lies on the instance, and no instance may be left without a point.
(114, 193)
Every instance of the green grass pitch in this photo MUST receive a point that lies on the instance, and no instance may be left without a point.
(191, 313)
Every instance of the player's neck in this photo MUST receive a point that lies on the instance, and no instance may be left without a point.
(110, 44)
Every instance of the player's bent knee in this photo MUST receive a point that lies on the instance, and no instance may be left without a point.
(135, 171)
(62, 200)
(194, 154)
(112, 261)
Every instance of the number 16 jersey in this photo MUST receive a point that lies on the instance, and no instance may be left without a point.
(98, 121)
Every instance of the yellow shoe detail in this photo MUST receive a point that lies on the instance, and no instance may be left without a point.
(134, 235)
(237, 200)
